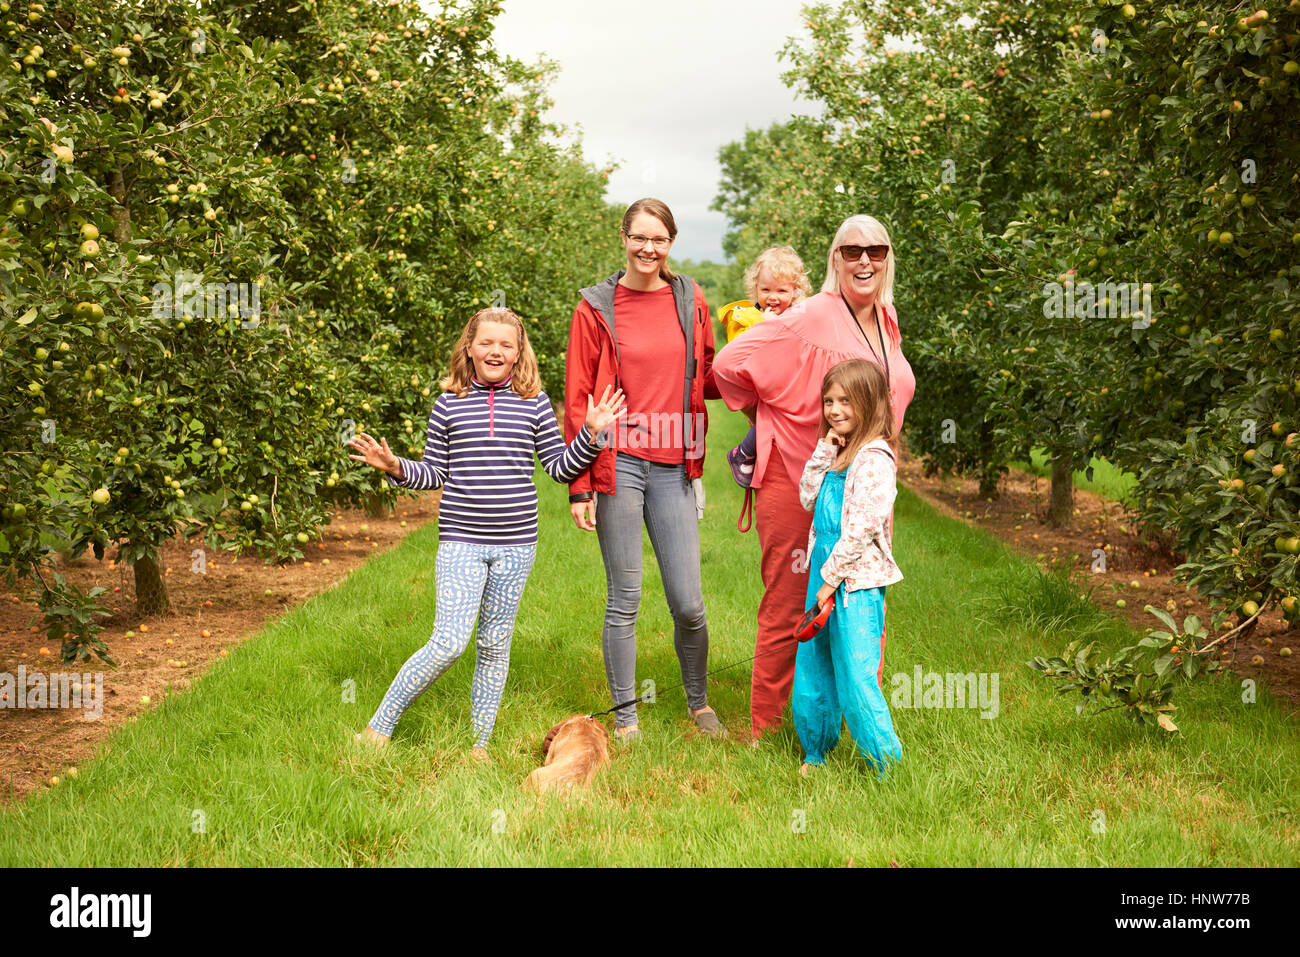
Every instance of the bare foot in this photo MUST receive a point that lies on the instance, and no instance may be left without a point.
(626, 730)
(370, 736)
(807, 769)
(480, 755)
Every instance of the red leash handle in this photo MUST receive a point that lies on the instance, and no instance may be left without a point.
(746, 520)
(813, 620)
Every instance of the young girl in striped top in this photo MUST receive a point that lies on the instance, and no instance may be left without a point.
(485, 426)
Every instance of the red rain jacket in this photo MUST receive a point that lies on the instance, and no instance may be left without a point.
(591, 364)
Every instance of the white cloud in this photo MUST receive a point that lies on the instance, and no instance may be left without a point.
(660, 87)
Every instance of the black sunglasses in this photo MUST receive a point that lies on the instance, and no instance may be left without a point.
(854, 253)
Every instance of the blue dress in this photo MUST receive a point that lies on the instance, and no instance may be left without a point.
(835, 671)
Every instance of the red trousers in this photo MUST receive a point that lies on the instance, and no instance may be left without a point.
(783, 537)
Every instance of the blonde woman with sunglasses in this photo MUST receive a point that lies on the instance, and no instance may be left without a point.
(776, 370)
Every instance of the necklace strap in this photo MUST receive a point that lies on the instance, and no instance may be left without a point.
(883, 351)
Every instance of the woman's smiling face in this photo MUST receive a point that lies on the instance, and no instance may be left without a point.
(494, 351)
(861, 279)
(644, 258)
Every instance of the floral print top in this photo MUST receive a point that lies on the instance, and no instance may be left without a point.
(862, 557)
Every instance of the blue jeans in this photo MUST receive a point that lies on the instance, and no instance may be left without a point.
(474, 582)
(661, 497)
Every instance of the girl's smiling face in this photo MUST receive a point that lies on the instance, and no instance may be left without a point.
(774, 295)
(494, 350)
(839, 411)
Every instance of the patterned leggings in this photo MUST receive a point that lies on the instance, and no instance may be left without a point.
(473, 581)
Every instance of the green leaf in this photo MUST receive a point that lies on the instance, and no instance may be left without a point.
(1164, 617)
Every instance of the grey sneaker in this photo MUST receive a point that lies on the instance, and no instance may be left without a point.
(708, 723)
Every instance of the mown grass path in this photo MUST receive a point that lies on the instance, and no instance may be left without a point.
(255, 764)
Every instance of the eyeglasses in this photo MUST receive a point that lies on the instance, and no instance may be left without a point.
(660, 242)
(874, 253)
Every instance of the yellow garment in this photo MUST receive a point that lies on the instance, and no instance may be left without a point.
(738, 316)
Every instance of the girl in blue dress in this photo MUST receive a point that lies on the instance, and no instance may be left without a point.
(849, 486)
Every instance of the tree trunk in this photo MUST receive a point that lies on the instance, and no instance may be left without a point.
(989, 471)
(150, 589)
(377, 505)
(121, 212)
(1061, 507)
(989, 483)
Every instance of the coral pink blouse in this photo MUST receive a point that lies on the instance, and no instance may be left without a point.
(778, 366)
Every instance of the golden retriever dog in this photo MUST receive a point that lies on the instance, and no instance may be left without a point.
(575, 750)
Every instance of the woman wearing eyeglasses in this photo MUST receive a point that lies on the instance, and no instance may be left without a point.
(776, 370)
(648, 330)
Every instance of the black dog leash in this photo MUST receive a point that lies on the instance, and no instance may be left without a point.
(880, 332)
(624, 704)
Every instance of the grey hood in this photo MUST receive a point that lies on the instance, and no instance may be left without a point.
(601, 298)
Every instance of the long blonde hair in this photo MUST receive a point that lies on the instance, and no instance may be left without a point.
(868, 394)
(875, 233)
(525, 380)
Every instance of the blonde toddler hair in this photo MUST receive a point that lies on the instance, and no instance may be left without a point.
(783, 263)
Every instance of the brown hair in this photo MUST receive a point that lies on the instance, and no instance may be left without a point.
(524, 378)
(783, 263)
(868, 393)
(660, 211)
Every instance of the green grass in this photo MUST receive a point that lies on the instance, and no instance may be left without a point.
(1107, 481)
(1053, 603)
(262, 745)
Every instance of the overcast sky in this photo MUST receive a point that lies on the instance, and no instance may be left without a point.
(659, 87)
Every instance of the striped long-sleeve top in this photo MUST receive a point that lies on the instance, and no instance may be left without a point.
(479, 451)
